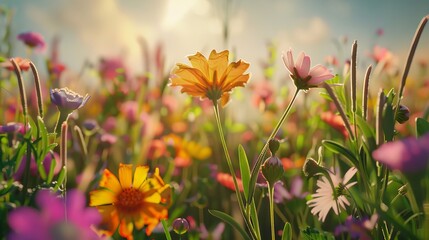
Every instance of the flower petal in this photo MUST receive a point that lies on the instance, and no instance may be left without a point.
(288, 61)
(110, 181)
(349, 174)
(319, 74)
(303, 65)
(101, 197)
(125, 175)
(140, 176)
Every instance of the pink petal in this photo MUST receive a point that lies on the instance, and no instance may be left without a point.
(349, 174)
(303, 65)
(288, 61)
(319, 74)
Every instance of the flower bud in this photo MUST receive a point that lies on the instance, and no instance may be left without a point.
(272, 170)
(274, 145)
(312, 168)
(180, 226)
(403, 114)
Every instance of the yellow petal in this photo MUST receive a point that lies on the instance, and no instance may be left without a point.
(125, 175)
(110, 181)
(153, 197)
(199, 62)
(140, 176)
(101, 197)
(218, 62)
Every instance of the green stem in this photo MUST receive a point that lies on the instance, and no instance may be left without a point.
(271, 199)
(231, 169)
(61, 118)
(257, 166)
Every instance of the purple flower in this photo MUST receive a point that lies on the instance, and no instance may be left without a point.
(12, 127)
(357, 228)
(56, 219)
(406, 155)
(281, 193)
(67, 100)
(47, 161)
(33, 40)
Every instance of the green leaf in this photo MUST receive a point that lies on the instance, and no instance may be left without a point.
(228, 219)
(422, 127)
(368, 133)
(165, 226)
(244, 169)
(51, 170)
(287, 232)
(314, 234)
(61, 178)
(337, 148)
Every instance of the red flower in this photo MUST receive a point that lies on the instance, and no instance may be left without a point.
(227, 181)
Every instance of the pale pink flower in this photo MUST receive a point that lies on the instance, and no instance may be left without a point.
(300, 72)
(326, 197)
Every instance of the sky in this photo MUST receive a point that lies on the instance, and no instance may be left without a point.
(92, 29)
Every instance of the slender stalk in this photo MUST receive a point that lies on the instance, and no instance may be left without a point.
(340, 109)
(231, 169)
(365, 92)
(379, 118)
(261, 156)
(353, 81)
(271, 199)
(63, 157)
(62, 117)
(17, 70)
(38, 89)
(410, 57)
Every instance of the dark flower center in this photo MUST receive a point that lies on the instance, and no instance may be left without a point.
(129, 199)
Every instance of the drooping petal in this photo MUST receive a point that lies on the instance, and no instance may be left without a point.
(125, 175)
(126, 229)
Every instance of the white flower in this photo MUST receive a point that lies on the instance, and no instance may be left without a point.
(324, 199)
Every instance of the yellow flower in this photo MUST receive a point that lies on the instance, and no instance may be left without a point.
(210, 78)
(184, 150)
(129, 201)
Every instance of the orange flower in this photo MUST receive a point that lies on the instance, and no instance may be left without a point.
(210, 78)
(129, 202)
(226, 180)
(335, 121)
(185, 151)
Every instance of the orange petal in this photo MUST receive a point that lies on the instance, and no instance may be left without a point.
(199, 62)
(126, 229)
(125, 175)
(218, 61)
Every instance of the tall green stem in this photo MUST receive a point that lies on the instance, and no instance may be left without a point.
(257, 166)
(231, 169)
(271, 199)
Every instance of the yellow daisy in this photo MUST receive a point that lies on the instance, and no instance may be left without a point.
(131, 201)
(210, 78)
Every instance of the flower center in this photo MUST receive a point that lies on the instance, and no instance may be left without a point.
(129, 199)
(339, 190)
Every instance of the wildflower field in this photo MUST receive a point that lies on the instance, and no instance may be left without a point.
(205, 149)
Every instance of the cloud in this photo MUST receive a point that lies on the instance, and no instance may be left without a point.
(311, 32)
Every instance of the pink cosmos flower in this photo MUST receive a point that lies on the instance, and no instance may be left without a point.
(33, 40)
(262, 94)
(407, 155)
(326, 198)
(56, 219)
(300, 72)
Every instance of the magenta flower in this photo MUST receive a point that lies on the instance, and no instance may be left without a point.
(34, 171)
(406, 155)
(358, 228)
(111, 68)
(300, 72)
(67, 100)
(56, 219)
(33, 40)
(281, 194)
(11, 128)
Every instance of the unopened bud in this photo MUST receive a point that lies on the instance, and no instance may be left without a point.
(312, 168)
(272, 170)
(274, 145)
(403, 114)
(180, 226)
